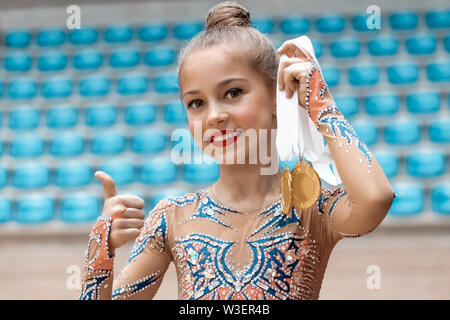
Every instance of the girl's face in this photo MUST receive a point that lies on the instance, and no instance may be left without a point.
(222, 92)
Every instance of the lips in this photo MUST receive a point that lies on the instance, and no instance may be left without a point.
(222, 132)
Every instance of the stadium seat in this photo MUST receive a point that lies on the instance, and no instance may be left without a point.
(161, 56)
(402, 132)
(318, 48)
(66, 144)
(409, 201)
(425, 163)
(124, 58)
(201, 172)
(447, 43)
(22, 89)
(62, 117)
(149, 141)
(1, 94)
(80, 208)
(421, 44)
(439, 130)
(166, 83)
(18, 61)
(403, 73)
(263, 25)
(25, 118)
(153, 32)
(132, 84)
(18, 39)
(3, 175)
(28, 176)
(157, 171)
(382, 104)
(101, 115)
(175, 113)
(35, 209)
(294, 25)
(389, 162)
(6, 208)
(367, 131)
(52, 61)
(439, 71)
(187, 30)
(405, 20)
(59, 87)
(363, 75)
(119, 33)
(345, 48)
(331, 75)
(73, 174)
(383, 46)
(108, 143)
(83, 36)
(121, 171)
(50, 37)
(26, 146)
(423, 102)
(440, 198)
(330, 23)
(94, 86)
(140, 113)
(348, 104)
(359, 23)
(438, 18)
(87, 59)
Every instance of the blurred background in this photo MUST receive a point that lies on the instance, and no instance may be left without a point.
(105, 97)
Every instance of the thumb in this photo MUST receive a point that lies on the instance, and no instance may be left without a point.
(108, 184)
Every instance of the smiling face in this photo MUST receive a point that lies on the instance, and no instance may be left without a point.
(222, 92)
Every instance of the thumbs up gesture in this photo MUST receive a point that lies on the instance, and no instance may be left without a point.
(125, 210)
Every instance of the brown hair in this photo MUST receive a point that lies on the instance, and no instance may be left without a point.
(229, 22)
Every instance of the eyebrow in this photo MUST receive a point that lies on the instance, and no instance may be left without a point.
(222, 83)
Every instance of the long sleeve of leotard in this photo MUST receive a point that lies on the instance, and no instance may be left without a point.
(147, 263)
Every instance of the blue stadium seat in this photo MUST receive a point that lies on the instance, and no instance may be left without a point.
(409, 201)
(363, 75)
(88, 59)
(26, 118)
(140, 113)
(404, 73)
(18, 39)
(83, 36)
(331, 75)
(6, 208)
(367, 131)
(382, 104)
(73, 174)
(383, 46)
(440, 198)
(330, 23)
(439, 130)
(1, 149)
(124, 58)
(94, 86)
(50, 37)
(22, 89)
(52, 61)
(359, 23)
(31, 176)
(425, 163)
(62, 117)
(297, 25)
(263, 25)
(175, 113)
(80, 208)
(402, 132)
(389, 162)
(66, 144)
(18, 61)
(157, 171)
(102, 115)
(183, 143)
(345, 48)
(318, 48)
(187, 30)
(121, 171)
(404, 20)
(423, 102)
(438, 18)
(59, 87)
(439, 71)
(166, 83)
(148, 141)
(447, 43)
(201, 172)
(348, 104)
(1, 94)
(3, 177)
(421, 44)
(132, 84)
(153, 32)
(108, 143)
(161, 56)
(118, 34)
(35, 209)
(26, 146)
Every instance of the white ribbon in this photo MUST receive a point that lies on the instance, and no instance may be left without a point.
(297, 133)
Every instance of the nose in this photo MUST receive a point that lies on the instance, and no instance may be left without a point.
(216, 114)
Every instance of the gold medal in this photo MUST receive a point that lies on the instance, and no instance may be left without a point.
(286, 191)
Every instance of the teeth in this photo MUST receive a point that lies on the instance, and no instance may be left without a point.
(225, 137)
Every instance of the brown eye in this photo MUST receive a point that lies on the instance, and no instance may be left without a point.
(190, 103)
(235, 92)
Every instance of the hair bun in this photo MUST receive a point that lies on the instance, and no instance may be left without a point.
(228, 13)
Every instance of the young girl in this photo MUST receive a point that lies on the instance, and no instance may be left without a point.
(232, 240)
